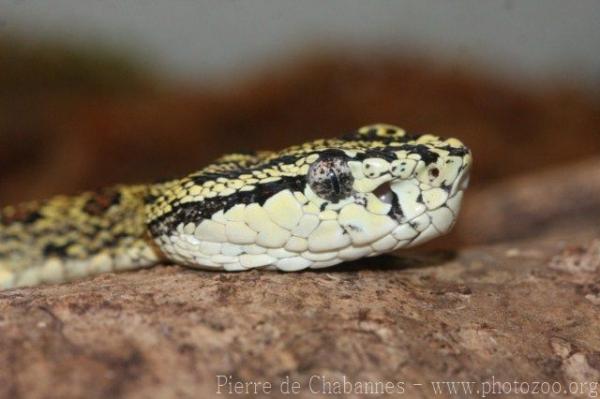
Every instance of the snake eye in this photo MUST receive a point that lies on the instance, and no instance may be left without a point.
(330, 176)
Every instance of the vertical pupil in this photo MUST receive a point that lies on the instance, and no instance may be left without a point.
(335, 183)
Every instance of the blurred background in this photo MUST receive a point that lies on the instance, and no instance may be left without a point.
(94, 93)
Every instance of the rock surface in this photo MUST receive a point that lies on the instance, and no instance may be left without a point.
(506, 312)
(525, 310)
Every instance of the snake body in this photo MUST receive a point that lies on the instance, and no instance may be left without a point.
(308, 206)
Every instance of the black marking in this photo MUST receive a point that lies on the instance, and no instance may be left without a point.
(360, 200)
(371, 135)
(381, 153)
(32, 217)
(286, 159)
(150, 198)
(396, 211)
(204, 176)
(195, 212)
(209, 176)
(446, 187)
(424, 151)
(266, 190)
(56, 250)
(22, 214)
(117, 240)
(456, 151)
(165, 225)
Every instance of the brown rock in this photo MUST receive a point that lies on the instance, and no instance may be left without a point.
(496, 312)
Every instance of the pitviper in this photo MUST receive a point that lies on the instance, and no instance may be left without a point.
(308, 206)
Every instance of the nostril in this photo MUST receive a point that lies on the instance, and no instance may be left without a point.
(434, 172)
(384, 193)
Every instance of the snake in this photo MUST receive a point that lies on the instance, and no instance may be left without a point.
(308, 206)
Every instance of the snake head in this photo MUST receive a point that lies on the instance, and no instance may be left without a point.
(390, 189)
(312, 205)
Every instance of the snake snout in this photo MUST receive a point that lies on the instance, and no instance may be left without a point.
(462, 181)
